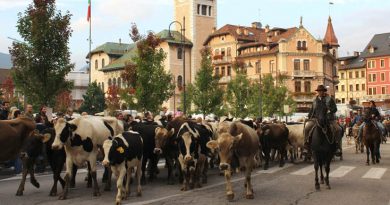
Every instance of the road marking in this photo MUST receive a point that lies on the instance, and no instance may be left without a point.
(341, 171)
(375, 173)
(45, 174)
(304, 171)
(274, 169)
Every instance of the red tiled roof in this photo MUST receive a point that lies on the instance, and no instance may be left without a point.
(330, 36)
(285, 33)
(249, 34)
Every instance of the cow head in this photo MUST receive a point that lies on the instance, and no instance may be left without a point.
(32, 147)
(188, 143)
(161, 138)
(225, 145)
(64, 131)
(264, 130)
(115, 151)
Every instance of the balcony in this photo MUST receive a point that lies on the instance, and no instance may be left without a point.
(219, 59)
(303, 98)
(225, 79)
(301, 48)
(303, 74)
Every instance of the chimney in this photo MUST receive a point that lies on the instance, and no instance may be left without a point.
(120, 41)
(239, 31)
(267, 28)
(256, 25)
(356, 53)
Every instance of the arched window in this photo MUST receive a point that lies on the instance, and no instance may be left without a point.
(96, 64)
(103, 63)
(179, 53)
(109, 82)
(114, 82)
(119, 83)
(99, 85)
(180, 82)
(303, 44)
(299, 45)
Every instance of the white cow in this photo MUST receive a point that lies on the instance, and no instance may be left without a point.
(296, 138)
(81, 138)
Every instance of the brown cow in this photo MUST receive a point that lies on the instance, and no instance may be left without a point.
(18, 135)
(241, 143)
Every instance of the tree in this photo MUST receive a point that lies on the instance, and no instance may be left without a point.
(93, 99)
(239, 92)
(63, 101)
(42, 61)
(112, 100)
(8, 88)
(206, 94)
(152, 84)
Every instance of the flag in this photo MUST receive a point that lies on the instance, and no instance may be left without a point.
(89, 11)
(331, 3)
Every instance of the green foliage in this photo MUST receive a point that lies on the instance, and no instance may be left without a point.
(93, 99)
(275, 96)
(152, 84)
(206, 94)
(42, 61)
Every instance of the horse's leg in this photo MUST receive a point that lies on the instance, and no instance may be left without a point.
(321, 172)
(373, 153)
(368, 155)
(317, 185)
(327, 170)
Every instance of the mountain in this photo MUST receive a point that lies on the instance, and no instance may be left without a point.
(5, 61)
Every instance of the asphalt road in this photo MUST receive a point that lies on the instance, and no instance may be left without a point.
(352, 182)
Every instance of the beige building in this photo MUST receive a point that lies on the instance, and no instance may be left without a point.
(294, 52)
(352, 77)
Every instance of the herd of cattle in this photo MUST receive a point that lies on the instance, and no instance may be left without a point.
(189, 147)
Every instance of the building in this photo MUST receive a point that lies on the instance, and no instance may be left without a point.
(80, 81)
(377, 56)
(294, 52)
(352, 76)
(196, 18)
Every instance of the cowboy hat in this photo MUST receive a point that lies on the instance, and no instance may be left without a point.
(321, 88)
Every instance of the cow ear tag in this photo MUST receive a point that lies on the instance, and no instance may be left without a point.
(120, 150)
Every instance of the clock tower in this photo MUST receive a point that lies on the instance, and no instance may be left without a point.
(200, 19)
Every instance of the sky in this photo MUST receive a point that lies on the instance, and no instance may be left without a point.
(355, 21)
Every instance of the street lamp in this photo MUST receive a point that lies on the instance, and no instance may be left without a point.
(258, 68)
(182, 32)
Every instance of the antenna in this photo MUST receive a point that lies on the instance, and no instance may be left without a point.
(330, 4)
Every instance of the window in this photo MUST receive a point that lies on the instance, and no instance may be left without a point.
(223, 71)
(229, 71)
(337, 88)
(228, 51)
(109, 82)
(383, 90)
(298, 86)
(350, 75)
(217, 71)
(179, 53)
(223, 51)
(342, 88)
(357, 87)
(258, 67)
(363, 87)
(209, 10)
(382, 63)
(343, 100)
(304, 44)
(299, 45)
(103, 63)
(374, 91)
(373, 78)
(306, 64)
(371, 64)
(96, 64)
(216, 52)
(119, 82)
(351, 88)
(382, 77)
(204, 10)
(114, 82)
(297, 64)
(363, 74)
(341, 75)
(307, 86)
(271, 66)
(180, 82)
(198, 11)
(357, 74)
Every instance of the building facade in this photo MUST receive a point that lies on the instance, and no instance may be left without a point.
(352, 76)
(377, 56)
(293, 52)
(80, 84)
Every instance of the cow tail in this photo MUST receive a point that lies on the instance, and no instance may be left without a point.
(109, 128)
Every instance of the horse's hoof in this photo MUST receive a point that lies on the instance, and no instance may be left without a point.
(317, 187)
(19, 193)
(230, 197)
(328, 186)
(62, 197)
(249, 196)
(35, 183)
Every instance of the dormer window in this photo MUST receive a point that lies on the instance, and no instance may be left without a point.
(371, 49)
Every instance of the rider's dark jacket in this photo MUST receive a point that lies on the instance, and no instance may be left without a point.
(324, 101)
(371, 111)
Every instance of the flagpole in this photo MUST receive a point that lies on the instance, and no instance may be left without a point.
(90, 41)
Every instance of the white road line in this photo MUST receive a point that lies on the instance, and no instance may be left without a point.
(375, 173)
(341, 171)
(274, 169)
(304, 171)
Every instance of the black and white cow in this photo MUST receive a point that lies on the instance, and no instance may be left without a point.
(192, 140)
(123, 153)
(81, 138)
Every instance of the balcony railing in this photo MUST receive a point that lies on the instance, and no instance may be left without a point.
(222, 59)
(301, 48)
(225, 79)
(303, 73)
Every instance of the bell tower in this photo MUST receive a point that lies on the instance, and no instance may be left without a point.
(200, 19)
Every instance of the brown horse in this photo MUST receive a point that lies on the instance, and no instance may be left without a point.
(371, 139)
(359, 146)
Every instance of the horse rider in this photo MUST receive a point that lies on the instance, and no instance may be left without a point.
(373, 114)
(323, 99)
(356, 118)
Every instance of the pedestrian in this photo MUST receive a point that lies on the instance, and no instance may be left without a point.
(69, 114)
(29, 112)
